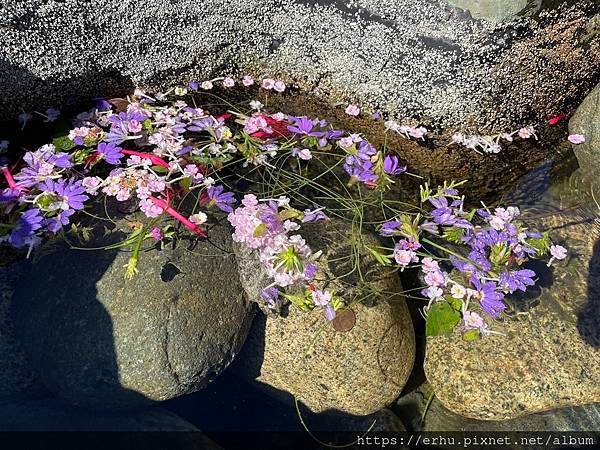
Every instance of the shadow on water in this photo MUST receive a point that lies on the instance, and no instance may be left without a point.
(588, 320)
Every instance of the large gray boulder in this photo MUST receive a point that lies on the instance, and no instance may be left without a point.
(495, 65)
(102, 341)
(358, 371)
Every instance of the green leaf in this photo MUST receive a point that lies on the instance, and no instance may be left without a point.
(454, 234)
(441, 319)
(471, 335)
(382, 259)
(456, 303)
(63, 143)
(260, 230)
(541, 245)
(160, 169)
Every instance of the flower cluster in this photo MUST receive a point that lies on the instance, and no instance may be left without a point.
(491, 144)
(267, 227)
(486, 265)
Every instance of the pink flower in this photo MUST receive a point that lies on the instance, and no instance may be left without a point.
(558, 252)
(228, 82)
(279, 86)
(247, 80)
(576, 138)
(472, 320)
(268, 84)
(418, 132)
(352, 110)
(156, 234)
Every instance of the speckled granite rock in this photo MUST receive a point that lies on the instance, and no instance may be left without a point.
(586, 121)
(103, 342)
(414, 58)
(549, 355)
(411, 407)
(17, 378)
(356, 372)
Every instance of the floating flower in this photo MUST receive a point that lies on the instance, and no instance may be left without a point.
(268, 84)
(228, 82)
(352, 110)
(279, 86)
(576, 139)
(247, 80)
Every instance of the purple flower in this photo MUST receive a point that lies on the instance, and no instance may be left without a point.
(56, 223)
(361, 172)
(193, 85)
(219, 198)
(270, 217)
(101, 104)
(313, 216)
(391, 167)
(70, 193)
(390, 227)
(270, 296)
(518, 279)
(41, 165)
(29, 222)
(111, 153)
(442, 214)
(489, 298)
(304, 126)
(9, 195)
(310, 270)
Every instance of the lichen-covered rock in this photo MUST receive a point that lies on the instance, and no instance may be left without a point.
(102, 341)
(548, 355)
(586, 121)
(357, 372)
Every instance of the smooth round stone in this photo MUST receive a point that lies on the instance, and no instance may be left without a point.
(358, 371)
(101, 341)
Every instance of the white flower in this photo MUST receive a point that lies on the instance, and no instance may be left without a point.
(255, 104)
(458, 291)
(180, 91)
(207, 85)
(199, 218)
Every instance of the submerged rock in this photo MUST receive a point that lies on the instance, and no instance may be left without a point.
(102, 341)
(548, 355)
(358, 371)
(414, 406)
(586, 121)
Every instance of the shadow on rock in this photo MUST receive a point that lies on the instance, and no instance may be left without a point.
(588, 320)
(22, 90)
(62, 317)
